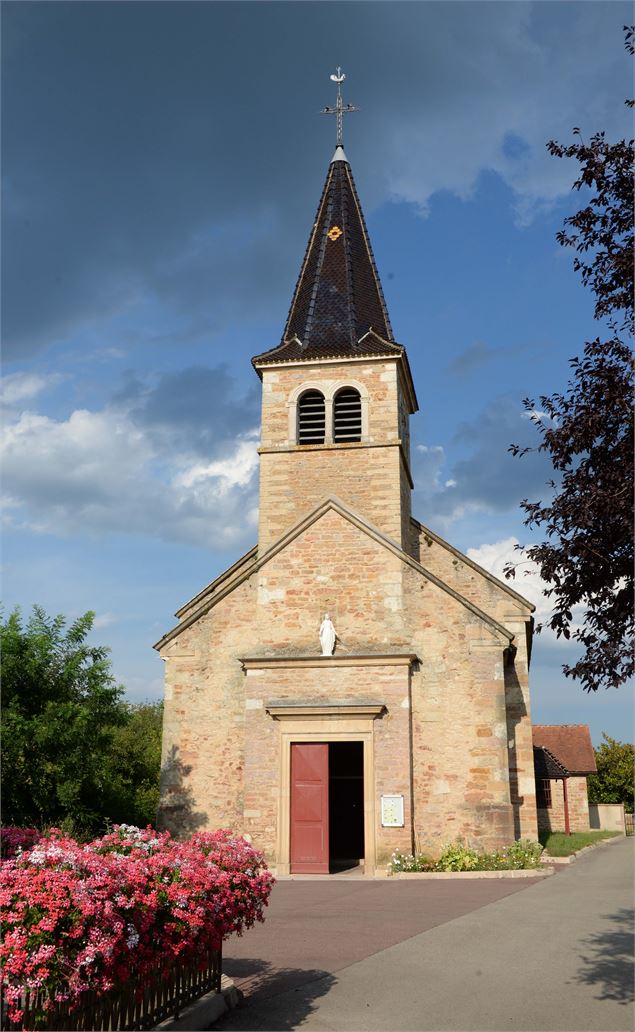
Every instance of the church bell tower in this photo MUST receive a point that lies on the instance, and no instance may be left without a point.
(337, 392)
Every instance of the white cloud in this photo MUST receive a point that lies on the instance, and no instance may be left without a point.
(104, 620)
(17, 388)
(492, 78)
(234, 471)
(528, 582)
(540, 418)
(486, 478)
(430, 460)
(99, 472)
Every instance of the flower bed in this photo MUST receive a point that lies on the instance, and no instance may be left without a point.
(80, 921)
(16, 840)
(519, 856)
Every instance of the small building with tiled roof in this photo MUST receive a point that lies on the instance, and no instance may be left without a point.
(353, 684)
(563, 757)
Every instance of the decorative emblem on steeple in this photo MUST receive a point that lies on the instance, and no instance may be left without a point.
(340, 108)
(334, 233)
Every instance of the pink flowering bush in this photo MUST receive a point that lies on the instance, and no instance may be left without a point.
(121, 909)
(14, 840)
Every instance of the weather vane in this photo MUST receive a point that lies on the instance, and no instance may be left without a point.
(340, 108)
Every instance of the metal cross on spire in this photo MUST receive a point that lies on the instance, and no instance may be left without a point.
(340, 108)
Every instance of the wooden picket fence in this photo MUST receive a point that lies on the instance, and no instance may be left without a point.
(162, 998)
(628, 823)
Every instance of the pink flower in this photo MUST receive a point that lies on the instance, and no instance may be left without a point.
(78, 918)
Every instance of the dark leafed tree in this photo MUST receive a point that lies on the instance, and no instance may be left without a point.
(587, 431)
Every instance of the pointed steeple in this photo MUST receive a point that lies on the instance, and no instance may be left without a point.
(338, 307)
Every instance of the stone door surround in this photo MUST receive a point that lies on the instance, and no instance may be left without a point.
(325, 722)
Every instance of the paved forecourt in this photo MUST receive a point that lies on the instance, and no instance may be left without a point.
(481, 956)
(318, 927)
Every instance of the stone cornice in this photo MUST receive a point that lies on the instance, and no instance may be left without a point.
(364, 659)
(330, 446)
(237, 567)
(281, 710)
(402, 364)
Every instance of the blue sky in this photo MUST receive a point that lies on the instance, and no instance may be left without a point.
(162, 166)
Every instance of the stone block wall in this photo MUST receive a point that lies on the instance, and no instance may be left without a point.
(461, 778)
(457, 710)
(607, 817)
(472, 583)
(391, 742)
(202, 766)
(552, 819)
(371, 476)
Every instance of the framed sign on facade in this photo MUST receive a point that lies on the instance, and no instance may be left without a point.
(392, 813)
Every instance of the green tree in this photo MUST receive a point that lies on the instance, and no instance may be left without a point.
(61, 707)
(132, 766)
(73, 752)
(613, 782)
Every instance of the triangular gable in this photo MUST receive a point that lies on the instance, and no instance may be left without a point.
(224, 577)
(475, 566)
(335, 505)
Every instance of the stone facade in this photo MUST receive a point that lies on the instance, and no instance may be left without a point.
(455, 739)
(430, 672)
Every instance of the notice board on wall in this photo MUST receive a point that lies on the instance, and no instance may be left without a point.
(392, 811)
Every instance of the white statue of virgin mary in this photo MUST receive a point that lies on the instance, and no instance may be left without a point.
(327, 636)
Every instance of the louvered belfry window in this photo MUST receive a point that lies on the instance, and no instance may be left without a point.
(311, 418)
(347, 416)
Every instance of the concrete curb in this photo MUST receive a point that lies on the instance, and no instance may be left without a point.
(198, 1016)
(537, 872)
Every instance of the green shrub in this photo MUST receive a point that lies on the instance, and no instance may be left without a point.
(523, 855)
(519, 856)
(409, 862)
(458, 857)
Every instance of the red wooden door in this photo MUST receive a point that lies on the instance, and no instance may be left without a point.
(309, 808)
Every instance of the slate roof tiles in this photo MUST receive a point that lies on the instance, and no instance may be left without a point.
(338, 297)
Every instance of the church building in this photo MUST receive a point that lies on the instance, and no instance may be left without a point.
(353, 684)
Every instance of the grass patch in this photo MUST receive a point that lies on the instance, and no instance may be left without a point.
(558, 844)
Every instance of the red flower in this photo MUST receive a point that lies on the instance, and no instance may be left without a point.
(78, 918)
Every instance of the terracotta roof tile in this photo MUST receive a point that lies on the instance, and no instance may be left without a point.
(547, 766)
(569, 744)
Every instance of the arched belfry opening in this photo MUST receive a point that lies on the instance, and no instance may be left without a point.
(311, 418)
(347, 416)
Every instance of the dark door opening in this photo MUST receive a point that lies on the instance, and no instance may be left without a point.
(346, 805)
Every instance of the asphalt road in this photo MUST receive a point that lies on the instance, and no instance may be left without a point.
(478, 956)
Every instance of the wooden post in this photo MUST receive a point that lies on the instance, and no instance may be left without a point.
(565, 799)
